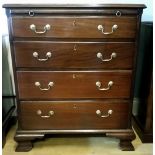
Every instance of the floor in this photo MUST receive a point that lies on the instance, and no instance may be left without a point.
(77, 146)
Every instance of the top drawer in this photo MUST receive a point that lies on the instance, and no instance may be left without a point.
(74, 27)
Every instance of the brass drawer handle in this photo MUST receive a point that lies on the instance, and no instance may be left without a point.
(99, 84)
(99, 113)
(48, 55)
(101, 28)
(46, 28)
(50, 84)
(50, 113)
(100, 56)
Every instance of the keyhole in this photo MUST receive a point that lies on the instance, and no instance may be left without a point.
(74, 106)
(75, 47)
(74, 23)
(74, 76)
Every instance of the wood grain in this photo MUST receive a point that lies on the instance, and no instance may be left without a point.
(74, 84)
(74, 97)
(74, 115)
(85, 27)
(74, 54)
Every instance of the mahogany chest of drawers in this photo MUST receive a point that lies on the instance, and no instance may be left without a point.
(74, 69)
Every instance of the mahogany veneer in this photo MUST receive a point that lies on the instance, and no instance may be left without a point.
(74, 27)
(74, 114)
(74, 69)
(74, 54)
(83, 83)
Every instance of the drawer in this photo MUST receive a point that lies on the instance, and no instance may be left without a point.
(74, 54)
(73, 84)
(74, 114)
(75, 27)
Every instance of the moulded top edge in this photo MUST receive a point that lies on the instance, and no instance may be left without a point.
(74, 6)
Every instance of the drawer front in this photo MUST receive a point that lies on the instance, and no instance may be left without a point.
(74, 55)
(74, 115)
(77, 27)
(74, 84)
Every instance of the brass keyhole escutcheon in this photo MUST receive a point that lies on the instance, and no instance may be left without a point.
(74, 76)
(74, 106)
(75, 48)
(74, 23)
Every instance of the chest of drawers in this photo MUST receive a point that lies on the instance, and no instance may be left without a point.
(74, 69)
